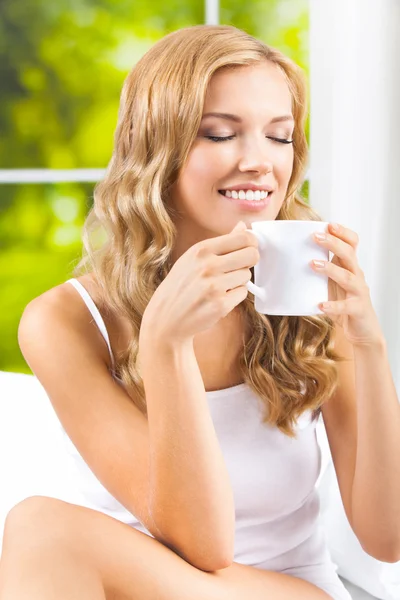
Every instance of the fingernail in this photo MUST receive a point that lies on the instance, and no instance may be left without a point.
(319, 263)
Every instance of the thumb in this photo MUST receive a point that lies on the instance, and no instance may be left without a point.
(239, 226)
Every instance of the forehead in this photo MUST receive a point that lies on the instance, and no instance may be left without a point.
(258, 88)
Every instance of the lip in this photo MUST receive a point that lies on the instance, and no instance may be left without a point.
(249, 205)
(249, 186)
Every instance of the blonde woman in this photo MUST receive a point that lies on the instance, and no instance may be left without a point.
(196, 414)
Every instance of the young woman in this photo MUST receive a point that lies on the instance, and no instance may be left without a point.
(196, 413)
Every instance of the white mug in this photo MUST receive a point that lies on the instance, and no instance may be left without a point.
(285, 283)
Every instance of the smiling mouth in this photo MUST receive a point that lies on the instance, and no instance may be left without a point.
(223, 193)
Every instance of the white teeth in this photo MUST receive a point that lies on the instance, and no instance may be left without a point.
(246, 194)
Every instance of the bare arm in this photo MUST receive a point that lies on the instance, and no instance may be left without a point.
(376, 486)
(191, 499)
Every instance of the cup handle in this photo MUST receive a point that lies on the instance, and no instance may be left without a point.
(255, 289)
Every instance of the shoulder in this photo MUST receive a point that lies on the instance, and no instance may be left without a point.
(60, 314)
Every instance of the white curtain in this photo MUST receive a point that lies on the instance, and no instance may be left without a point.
(355, 140)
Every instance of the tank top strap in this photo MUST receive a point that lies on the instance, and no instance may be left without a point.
(94, 311)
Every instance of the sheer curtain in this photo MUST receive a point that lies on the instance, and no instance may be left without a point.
(355, 140)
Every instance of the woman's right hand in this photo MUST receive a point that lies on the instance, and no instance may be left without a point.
(202, 287)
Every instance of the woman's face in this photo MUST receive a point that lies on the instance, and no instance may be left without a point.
(257, 95)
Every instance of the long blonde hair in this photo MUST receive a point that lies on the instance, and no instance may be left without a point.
(289, 362)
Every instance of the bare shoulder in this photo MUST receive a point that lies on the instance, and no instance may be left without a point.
(61, 307)
(63, 347)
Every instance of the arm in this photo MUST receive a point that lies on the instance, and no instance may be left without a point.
(376, 485)
(64, 349)
(191, 499)
(365, 408)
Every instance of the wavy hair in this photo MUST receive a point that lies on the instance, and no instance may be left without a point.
(289, 361)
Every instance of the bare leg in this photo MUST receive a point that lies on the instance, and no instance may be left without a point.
(56, 550)
(44, 566)
(46, 573)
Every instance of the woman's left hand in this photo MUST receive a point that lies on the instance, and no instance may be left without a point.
(349, 298)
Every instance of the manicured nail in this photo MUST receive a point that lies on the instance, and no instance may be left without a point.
(320, 236)
(319, 264)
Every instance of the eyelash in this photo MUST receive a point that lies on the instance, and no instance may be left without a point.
(230, 137)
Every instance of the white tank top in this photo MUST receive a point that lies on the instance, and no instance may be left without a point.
(273, 478)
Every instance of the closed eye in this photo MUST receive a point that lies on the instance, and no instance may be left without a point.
(224, 139)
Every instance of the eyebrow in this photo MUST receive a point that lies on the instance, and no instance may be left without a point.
(237, 119)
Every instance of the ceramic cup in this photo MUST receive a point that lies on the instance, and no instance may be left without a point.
(284, 281)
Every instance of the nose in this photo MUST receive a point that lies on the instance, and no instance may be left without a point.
(255, 160)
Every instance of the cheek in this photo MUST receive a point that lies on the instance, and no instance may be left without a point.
(283, 168)
(203, 166)
(197, 181)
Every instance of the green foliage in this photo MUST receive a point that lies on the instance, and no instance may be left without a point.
(63, 65)
(25, 274)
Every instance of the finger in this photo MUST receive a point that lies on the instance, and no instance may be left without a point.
(234, 297)
(239, 226)
(235, 240)
(239, 259)
(342, 250)
(346, 279)
(344, 233)
(234, 279)
(351, 306)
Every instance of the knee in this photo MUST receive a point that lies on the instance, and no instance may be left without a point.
(38, 517)
(32, 509)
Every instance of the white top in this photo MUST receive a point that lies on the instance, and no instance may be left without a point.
(273, 479)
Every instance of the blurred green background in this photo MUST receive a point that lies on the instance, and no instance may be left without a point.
(63, 65)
